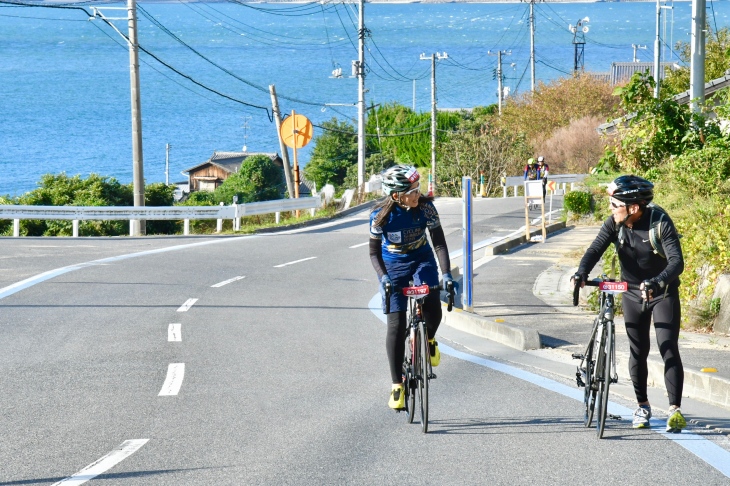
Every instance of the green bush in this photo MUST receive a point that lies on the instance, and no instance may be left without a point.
(578, 202)
(706, 171)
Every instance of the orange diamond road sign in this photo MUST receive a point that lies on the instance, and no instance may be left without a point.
(552, 185)
(296, 131)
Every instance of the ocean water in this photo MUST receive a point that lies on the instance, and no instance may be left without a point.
(65, 104)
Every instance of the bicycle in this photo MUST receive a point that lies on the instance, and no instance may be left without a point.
(417, 370)
(597, 369)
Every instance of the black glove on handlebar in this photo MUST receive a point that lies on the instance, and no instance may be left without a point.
(579, 278)
(652, 289)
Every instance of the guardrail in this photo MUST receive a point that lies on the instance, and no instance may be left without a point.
(83, 213)
(561, 179)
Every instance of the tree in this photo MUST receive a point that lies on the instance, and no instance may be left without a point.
(258, 179)
(485, 149)
(335, 150)
(717, 48)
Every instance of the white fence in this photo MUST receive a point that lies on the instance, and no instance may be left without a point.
(82, 213)
(560, 179)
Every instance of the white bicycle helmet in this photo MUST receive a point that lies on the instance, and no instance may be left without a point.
(399, 178)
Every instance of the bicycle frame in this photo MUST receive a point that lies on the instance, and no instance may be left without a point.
(597, 368)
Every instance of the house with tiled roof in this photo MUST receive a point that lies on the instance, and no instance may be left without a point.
(210, 174)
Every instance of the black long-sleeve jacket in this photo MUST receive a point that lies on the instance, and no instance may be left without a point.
(638, 260)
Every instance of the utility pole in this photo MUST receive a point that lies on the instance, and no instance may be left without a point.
(282, 145)
(532, 42)
(637, 46)
(579, 41)
(657, 51)
(500, 76)
(432, 176)
(167, 164)
(532, 45)
(697, 60)
(137, 227)
(361, 100)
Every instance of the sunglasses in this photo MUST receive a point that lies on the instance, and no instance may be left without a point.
(616, 206)
(414, 190)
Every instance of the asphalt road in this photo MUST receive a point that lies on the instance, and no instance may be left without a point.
(282, 374)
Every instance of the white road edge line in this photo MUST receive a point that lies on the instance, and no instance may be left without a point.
(708, 451)
(173, 381)
(187, 305)
(296, 261)
(221, 284)
(107, 462)
(174, 333)
(359, 245)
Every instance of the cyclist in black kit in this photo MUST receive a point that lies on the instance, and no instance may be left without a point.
(628, 228)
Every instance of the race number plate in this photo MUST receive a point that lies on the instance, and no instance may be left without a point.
(613, 287)
(415, 291)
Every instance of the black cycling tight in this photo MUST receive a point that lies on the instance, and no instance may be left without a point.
(396, 333)
(667, 313)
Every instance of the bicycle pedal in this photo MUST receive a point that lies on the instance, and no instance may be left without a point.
(614, 417)
(432, 376)
(614, 380)
(577, 356)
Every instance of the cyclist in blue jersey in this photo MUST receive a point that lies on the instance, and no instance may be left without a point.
(400, 253)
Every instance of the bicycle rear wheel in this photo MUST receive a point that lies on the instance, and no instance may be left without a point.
(589, 390)
(604, 374)
(409, 381)
(424, 358)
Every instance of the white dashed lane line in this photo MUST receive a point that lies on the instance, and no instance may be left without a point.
(295, 261)
(187, 305)
(221, 284)
(173, 382)
(102, 465)
(174, 333)
(359, 245)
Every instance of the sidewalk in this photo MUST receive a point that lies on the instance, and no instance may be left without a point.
(524, 296)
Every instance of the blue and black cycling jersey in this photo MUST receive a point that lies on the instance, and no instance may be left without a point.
(403, 235)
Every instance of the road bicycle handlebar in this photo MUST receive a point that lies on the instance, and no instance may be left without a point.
(596, 283)
(389, 289)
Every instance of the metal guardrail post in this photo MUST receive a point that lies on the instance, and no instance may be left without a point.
(75, 224)
(16, 228)
(186, 227)
(219, 224)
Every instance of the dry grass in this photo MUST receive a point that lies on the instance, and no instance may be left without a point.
(573, 149)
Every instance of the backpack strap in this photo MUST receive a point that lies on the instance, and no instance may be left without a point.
(655, 230)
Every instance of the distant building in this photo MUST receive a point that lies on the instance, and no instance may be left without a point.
(209, 175)
(621, 72)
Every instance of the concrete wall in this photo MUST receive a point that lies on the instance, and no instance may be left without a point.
(722, 291)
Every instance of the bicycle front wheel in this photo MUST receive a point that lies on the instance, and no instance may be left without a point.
(409, 381)
(424, 358)
(589, 390)
(604, 374)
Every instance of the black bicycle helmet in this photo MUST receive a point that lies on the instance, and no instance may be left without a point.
(399, 178)
(631, 189)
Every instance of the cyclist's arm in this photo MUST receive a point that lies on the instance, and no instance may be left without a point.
(376, 257)
(593, 254)
(673, 252)
(438, 238)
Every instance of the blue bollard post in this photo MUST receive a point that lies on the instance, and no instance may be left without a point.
(466, 243)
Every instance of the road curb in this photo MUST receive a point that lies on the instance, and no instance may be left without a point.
(698, 385)
(507, 244)
(518, 337)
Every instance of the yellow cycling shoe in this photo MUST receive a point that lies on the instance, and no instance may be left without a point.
(433, 346)
(397, 399)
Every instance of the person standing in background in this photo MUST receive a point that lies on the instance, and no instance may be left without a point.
(542, 173)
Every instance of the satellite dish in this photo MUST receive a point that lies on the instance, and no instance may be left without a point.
(586, 19)
(585, 29)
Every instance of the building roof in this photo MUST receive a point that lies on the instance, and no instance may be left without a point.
(231, 161)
